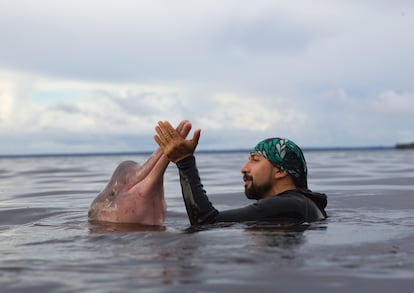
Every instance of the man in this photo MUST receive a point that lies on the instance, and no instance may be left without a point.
(275, 175)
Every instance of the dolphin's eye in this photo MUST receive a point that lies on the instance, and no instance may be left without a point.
(112, 193)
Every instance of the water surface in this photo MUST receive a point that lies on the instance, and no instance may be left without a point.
(367, 243)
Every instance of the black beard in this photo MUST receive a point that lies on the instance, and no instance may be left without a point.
(257, 192)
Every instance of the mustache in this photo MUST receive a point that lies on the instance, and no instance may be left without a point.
(247, 177)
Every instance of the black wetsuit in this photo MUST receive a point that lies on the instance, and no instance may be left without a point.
(293, 206)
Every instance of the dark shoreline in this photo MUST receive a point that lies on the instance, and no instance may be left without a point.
(404, 146)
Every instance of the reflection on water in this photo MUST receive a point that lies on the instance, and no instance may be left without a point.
(277, 235)
(105, 228)
(47, 244)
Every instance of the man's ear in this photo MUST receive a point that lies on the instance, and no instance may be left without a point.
(278, 174)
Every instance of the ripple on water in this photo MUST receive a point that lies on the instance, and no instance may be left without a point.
(22, 216)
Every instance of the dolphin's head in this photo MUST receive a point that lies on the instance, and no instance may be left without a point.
(130, 197)
(125, 176)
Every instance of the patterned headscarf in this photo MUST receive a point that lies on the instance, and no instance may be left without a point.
(285, 155)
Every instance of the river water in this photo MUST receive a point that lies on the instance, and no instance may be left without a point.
(367, 243)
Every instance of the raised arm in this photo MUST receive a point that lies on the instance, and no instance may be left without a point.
(180, 151)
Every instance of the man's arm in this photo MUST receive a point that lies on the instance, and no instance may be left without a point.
(199, 208)
(180, 151)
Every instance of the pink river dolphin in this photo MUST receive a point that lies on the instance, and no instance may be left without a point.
(135, 194)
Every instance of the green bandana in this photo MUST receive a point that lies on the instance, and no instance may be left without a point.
(285, 155)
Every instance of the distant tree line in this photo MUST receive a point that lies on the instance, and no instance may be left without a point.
(405, 145)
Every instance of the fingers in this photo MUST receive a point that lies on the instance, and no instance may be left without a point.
(165, 132)
(196, 137)
(159, 141)
(165, 129)
(162, 138)
(181, 126)
(159, 138)
(167, 136)
(185, 129)
(172, 141)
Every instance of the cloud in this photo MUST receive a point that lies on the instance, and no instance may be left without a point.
(234, 111)
(394, 103)
(224, 41)
(92, 74)
(355, 118)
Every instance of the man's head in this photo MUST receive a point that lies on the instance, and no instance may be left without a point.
(285, 155)
(273, 161)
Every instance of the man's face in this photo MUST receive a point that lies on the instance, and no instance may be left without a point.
(258, 177)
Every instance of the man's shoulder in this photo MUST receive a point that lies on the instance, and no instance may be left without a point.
(294, 195)
(284, 196)
(289, 194)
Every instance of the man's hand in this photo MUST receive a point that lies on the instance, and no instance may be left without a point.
(184, 128)
(172, 144)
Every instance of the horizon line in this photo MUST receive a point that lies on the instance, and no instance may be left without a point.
(201, 151)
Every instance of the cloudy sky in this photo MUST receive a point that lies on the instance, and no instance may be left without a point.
(96, 75)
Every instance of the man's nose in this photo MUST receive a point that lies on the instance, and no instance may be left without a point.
(244, 168)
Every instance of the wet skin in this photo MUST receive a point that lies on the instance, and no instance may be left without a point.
(135, 193)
